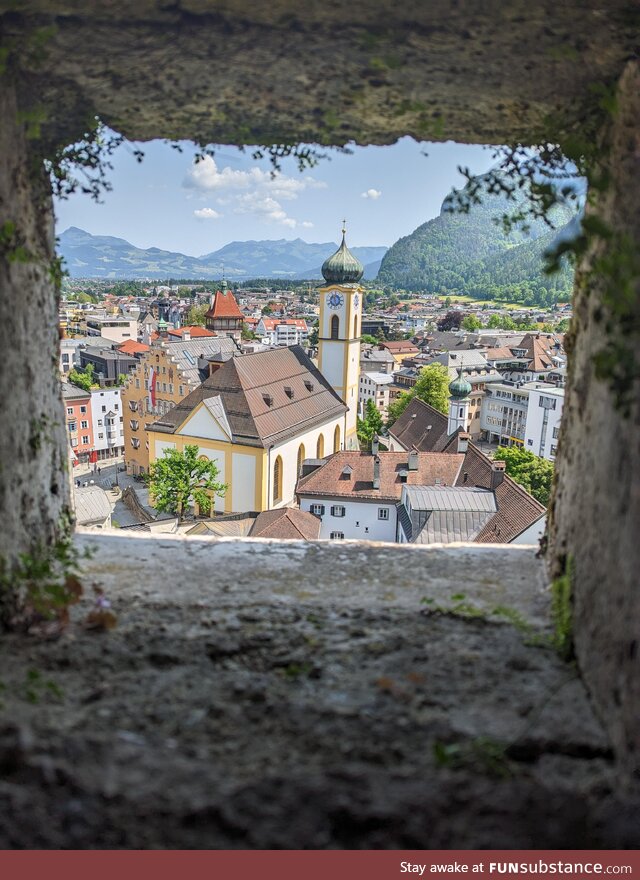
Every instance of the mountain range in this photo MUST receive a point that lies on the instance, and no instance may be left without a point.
(103, 256)
(470, 253)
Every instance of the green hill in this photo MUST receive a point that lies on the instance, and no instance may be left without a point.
(471, 254)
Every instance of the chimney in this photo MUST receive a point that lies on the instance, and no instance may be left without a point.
(497, 473)
(413, 460)
(463, 441)
(186, 335)
(375, 445)
(376, 472)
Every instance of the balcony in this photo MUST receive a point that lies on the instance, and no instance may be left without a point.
(248, 697)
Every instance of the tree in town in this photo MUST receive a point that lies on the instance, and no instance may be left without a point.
(471, 323)
(452, 320)
(432, 387)
(368, 339)
(371, 425)
(195, 316)
(82, 378)
(534, 474)
(178, 477)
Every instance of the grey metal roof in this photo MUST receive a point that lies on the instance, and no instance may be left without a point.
(446, 526)
(92, 505)
(185, 354)
(450, 498)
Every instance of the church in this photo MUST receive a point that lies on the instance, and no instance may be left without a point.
(259, 416)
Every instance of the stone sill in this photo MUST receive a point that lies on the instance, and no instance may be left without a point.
(281, 694)
(358, 573)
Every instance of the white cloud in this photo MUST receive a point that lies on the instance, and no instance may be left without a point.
(253, 191)
(206, 214)
(307, 224)
(206, 176)
(371, 194)
(263, 206)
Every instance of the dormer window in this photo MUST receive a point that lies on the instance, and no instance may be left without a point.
(268, 399)
(308, 385)
(288, 390)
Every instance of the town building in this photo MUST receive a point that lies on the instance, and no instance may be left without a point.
(374, 386)
(356, 494)
(108, 423)
(282, 331)
(258, 417)
(165, 375)
(109, 364)
(526, 414)
(376, 360)
(77, 405)
(113, 328)
(224, 317)
(544, 413)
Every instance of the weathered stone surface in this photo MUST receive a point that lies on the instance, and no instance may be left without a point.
(597, 505)
(33, 468)
(233, 71)
(266, 694)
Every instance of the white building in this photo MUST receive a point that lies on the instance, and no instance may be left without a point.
(526, 415)
(282, 331)
(374, 386)
(108, 422)
(114, 329)
(356, 494)
(543, 420)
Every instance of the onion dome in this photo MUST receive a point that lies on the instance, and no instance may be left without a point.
(342, 267)
(460, 387)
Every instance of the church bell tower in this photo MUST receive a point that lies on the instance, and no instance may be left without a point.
(339, 329)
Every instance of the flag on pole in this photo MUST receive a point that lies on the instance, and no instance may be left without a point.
(152, 389)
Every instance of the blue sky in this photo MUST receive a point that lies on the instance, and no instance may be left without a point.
(169, 202)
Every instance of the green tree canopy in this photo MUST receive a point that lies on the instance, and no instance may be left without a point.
(471, 323)
(371, 425)
(178, 477)
(432, 387)
(82, 378)
(535, 474)
(195, 316)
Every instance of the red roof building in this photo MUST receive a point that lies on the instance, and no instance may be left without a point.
(224, 317)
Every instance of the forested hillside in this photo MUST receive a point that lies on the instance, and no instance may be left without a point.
(471, 254)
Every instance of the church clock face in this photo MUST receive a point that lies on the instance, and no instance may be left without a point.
(335, 300)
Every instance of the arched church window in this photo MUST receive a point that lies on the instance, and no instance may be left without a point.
(300, 457)
(335, 327)
(320, 447)
(277, 480)
(336, 439)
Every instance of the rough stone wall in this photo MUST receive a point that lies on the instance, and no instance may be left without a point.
(234, 71)
(33, 466)
(596, 520)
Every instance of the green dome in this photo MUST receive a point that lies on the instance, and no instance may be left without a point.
(342, 267)
(460, 387)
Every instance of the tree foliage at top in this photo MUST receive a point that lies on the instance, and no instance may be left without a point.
(432, 387)
(535, 474)
(178, 477)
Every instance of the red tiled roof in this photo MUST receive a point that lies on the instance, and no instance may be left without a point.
(517, 510)
(421, 427)
(272, 323)
(224, 306)
(329, 480)
(195, 331)
(133, 347)
(287, 522)
(400, 347)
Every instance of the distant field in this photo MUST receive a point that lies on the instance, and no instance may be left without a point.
(488, 302)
